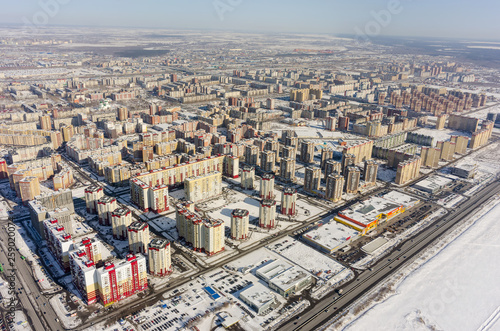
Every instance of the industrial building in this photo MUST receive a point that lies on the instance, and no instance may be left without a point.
(433, 184)
(330, 237)
(284, 278)
(465, 170)
(259, 297)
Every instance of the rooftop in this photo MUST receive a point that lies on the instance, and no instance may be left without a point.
(331, 235)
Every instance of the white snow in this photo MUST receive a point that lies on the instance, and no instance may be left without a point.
(457, 289)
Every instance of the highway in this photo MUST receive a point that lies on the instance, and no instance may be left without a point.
(30, 297)
(333, 305)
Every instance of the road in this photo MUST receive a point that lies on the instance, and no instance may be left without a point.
(332, 305)
(31, 299)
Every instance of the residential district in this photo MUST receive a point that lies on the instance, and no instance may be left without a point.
(235, 187)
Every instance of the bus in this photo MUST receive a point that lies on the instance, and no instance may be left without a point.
(22, 257)
(1, 268)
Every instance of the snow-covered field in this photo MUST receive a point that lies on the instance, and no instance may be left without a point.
(457, 289)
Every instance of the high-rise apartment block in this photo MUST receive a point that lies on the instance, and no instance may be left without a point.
(334, 187)
(121, 218)
(252, 155)
(29, 187)
(287, 169)
(117, 281)
(312, 179)
(172, 176)
(330, 123)
(203, 187)
(204, 234)
(248, 177)
(461, 143)
(92, 195)
(463, 123)
(307, 152)
(138, 237)
(362, 151)
(45, 122)
(408, 170)
(348, 160)
(289, 152)
(291, 141)
(159, 258)
(231, 167)
(267, 186)
(268, 161)
(353, 177)
(239, 224)
(332, 167)
(441, 121)
(447, 150)
(326, 155)
(289, 201)
(430, 156)
(105, 207)
(370, 172)
(267, 214)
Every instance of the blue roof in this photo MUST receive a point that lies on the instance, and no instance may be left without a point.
(214, 295)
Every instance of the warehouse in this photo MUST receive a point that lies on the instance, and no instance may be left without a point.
(258, 297)
(366, 215)
(407, 201)
(330, 237)
(433, 184)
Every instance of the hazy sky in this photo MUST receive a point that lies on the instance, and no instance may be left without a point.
(437, 18)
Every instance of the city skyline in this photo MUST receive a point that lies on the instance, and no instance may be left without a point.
(373, 18)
